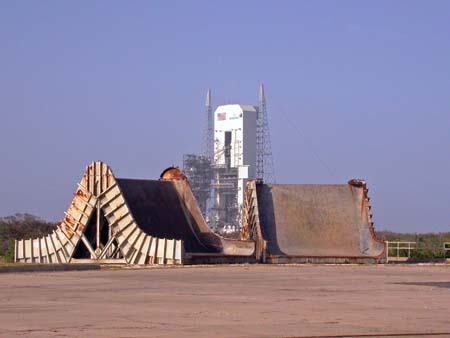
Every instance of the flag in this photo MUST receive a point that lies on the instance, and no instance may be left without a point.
(221, 116)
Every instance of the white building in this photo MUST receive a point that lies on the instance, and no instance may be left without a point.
(235, 149)
(234, 158)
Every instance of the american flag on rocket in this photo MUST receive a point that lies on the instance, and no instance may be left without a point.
(221, 116)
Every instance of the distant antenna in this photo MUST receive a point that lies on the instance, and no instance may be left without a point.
(208, 132)
(264, 159)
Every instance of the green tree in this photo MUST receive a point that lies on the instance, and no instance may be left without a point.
(20, 226)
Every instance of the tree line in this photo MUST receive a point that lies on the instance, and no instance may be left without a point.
(428, 245)
(21, 226)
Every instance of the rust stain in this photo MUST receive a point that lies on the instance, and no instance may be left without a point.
(69, 222)
(172, 173)
(67, 229)
(358, 183)
(244, 232)
(81, 194)
(366, 206)
(149, 260)
(80, 228)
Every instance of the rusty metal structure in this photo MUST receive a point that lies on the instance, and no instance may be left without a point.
(159, 222)
(311, 223)
(131, 221)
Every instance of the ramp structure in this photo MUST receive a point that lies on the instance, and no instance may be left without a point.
(311, 223)
(114, 220)
(131, 221)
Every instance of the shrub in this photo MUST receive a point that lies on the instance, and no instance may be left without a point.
(21, 226)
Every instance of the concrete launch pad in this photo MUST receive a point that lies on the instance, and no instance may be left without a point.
(228, 301)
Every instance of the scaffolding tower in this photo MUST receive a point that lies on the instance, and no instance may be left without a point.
(208, 130)
(264, 160)
(216, 185)
(197, 168)
(225, 184)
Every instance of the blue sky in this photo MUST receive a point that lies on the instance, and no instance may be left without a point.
(354, 89)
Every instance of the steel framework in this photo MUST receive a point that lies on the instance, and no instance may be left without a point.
(208, 131)
(99, 227)
(264, 160)
(209, 179)
(199, 172)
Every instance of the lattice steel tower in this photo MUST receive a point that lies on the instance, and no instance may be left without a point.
(208, 131)
(198, 167)
(264, 160)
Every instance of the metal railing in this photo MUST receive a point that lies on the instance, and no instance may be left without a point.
(446, 249)
(397, 248)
